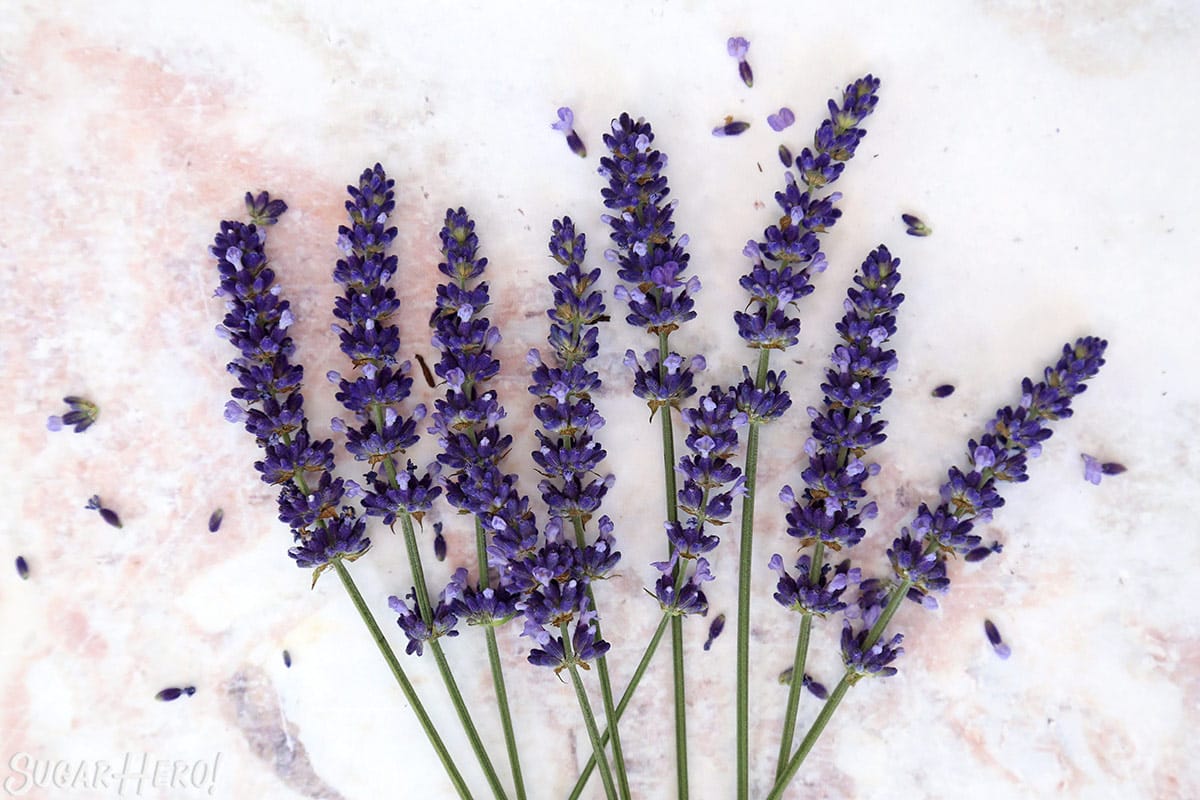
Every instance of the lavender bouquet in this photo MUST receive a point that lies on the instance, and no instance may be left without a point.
(539, 561)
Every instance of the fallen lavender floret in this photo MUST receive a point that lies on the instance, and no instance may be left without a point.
(82, 415)
(915, 227)
(1093, 469)
(714, 630)
(268, 402)
(106, 514)
(566, 124)
(737, 48)
(993, 635)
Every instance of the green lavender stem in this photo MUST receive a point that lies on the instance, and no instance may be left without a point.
(589, 719)
(460, 706)
(798, 666)
(510, 739)
(606, 695)
(848, 679)
(410, 693)
(745, 563)
(626, 698)
(668, 437)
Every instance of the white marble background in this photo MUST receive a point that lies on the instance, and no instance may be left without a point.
(1049, 145)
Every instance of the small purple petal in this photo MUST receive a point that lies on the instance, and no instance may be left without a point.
(1092, 469)
(54, 423)
(737, 46)
(781, 121)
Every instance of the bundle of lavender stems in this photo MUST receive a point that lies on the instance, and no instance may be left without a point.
(540, 560)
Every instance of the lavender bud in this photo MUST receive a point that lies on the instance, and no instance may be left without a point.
(785, 155)
(1112, 468)
(214, 520)
(287, 659)
(731, 128)
(945, 390)
(714, 630)
(997, 643)
(439, 542)
(22, 568)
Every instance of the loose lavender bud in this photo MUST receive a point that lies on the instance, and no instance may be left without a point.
(731, 127)
(107, 514)
(915, 226)
(22, 568)
(993, 635)
(566, 124)
(439, 542)
(267, 400)
(262, 210)
(818, 689)
(981, 552)
(1093, 469)
(81, 416)
(737, 47)
(714, 630)
(945, 390)
(1112, 468)
(781, 121)
(785, 155)
(287, 659)
(214, 520)
(174, 693)
(783, 261)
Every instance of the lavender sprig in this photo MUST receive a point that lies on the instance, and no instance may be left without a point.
(999, 455)
(828, 512)
(652, 262)
(268, 402)
(782, 263)
(466, 422)
(568, 458)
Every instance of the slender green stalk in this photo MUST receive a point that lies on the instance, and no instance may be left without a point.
(589, 719)
(668, 437)
(510, 739)
(460, 706)
(610, 715)
(848, 679)
(626, 697)
(410, 693)
(745, 565)
(798, 666)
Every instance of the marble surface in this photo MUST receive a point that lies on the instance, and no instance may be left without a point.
(1047, 143)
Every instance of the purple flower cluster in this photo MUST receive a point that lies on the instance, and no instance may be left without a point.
(855, 387)
(972, 493)
(710, 483)
(268, 402)
(969, 496)
(466, 422)
(651, 261)
(371, 340)
(82, 415)
(789, 252)
(416, 628)
(555, 579)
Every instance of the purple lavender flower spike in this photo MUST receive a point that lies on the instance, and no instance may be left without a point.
(782, 121)
(566, 124)
(651, 260)
(971, 494)
(874, 660)
(783, 261)
(81, 416)
(416, 629)
(856, 386)
(737, 48)
(268, 402)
